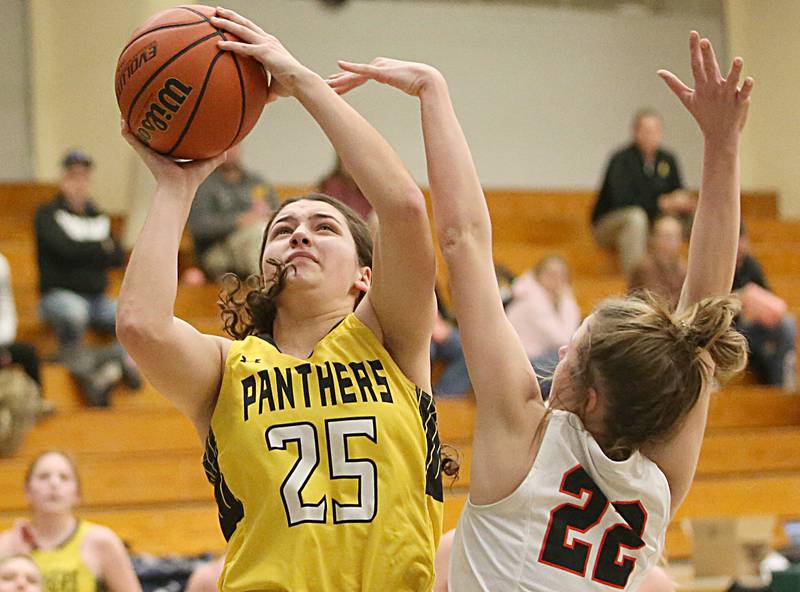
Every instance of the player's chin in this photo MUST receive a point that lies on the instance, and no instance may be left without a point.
(301, 274)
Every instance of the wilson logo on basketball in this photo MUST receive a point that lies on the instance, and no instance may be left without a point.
(159, 114)
(129, 68)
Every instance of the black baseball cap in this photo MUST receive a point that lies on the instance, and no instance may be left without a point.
(76, 156)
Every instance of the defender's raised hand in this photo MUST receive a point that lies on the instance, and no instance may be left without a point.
(410, 77)
(717, 103)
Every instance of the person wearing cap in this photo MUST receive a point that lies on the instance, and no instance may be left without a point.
(75, 250)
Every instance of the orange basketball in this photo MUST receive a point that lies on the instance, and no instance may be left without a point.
(182, 95)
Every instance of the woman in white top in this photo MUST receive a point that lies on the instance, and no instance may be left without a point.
(544, 311)
(545, 314)
(577, 495)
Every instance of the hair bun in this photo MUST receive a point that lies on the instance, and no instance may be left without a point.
(691, 335)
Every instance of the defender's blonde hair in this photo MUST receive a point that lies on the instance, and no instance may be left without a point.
(650, 366)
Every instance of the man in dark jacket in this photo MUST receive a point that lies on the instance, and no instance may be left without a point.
(641, 182)
(75, 250)
(773, 345)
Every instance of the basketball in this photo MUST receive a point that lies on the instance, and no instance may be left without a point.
(182, 95)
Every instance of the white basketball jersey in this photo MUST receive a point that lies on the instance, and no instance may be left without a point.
(579, 522)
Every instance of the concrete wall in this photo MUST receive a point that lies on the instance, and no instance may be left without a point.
(15, 98)
(765, 35)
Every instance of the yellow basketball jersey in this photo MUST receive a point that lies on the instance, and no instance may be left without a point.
(63, 568)
(326, 470)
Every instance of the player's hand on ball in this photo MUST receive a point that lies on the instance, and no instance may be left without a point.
(267, 49)
(410, 77)
(168, 173)
(717, 103)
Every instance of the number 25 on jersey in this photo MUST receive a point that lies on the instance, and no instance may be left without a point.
(340, 466)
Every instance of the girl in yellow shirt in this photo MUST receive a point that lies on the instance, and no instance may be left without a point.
(321, 437)
(74, 555)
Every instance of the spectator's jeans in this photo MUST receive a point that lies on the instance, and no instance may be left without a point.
(454, 379)
(70, 314)
(773, 351)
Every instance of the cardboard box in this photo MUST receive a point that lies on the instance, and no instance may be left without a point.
(730, 546)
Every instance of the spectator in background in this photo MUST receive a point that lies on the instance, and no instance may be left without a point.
(75, 251)
(21, 401)
(641, 182)
(228, 218)
(339, 183)
(446, 351)
(505, 283)
(662, 270)
(72, 554)
(544, 313)
(446, 341)
(771, 333)
(11, 350)
(19, 573)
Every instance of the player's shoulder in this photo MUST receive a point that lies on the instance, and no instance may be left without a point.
(101, 536)
(624, 153)
(5, 541)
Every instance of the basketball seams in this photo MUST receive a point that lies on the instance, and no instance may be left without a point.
(161, 28)
(137, 97)
(198, 13)
(243, 111)
(161, 68)
(238, 71)
(197, 103)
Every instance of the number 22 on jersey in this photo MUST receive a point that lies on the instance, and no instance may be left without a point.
(340, 466)
(612, 567)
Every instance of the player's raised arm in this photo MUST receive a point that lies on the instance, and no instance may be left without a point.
(719, 105)
(507, 393)
(498, 366)
(720, 108)
(400, 304)
(182, 363)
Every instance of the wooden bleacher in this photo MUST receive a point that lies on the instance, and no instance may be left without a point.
(141, 460)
